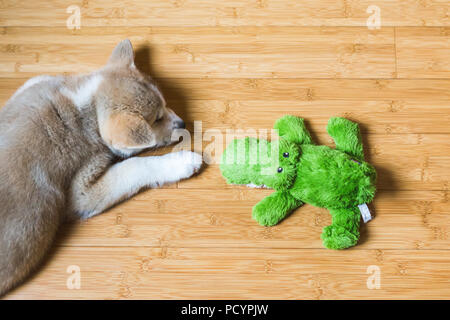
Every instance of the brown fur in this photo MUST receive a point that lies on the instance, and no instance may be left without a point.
(58, 158)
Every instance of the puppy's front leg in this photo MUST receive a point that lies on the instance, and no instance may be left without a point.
(126, 178)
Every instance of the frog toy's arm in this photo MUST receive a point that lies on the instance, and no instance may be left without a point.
(274, 208)
(346, 136)
(293, 129)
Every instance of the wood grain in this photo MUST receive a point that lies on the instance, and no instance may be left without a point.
(241, 64)
(230, 273)
(230, 13)
(406, 219)
(375, 117)
(421, 90)
(431, 47)
(247, 52)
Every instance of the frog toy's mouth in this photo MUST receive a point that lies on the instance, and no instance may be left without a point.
(260, 163)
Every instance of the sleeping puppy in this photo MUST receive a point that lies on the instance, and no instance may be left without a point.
(60, 139)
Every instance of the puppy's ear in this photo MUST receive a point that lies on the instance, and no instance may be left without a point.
(122, 54)
(125, 130)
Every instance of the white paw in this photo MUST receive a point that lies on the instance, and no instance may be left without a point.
(186, 163)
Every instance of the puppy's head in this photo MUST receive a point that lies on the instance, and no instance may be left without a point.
(132, 112)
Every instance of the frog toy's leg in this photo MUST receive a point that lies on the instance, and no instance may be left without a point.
(293, 129)
(344, 231)
(347, 137)
(274, 208)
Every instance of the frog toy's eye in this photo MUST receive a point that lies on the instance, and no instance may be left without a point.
(286, 154)
(280, 169)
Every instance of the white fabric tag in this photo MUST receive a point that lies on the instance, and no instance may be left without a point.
(365, 212)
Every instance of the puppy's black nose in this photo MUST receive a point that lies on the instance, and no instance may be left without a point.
(180, 125)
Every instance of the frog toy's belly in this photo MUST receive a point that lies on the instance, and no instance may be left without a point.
(332, 179)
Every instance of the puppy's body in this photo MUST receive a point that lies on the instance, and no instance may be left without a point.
(60, 139)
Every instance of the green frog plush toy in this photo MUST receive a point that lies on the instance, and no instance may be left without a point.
(302, 172)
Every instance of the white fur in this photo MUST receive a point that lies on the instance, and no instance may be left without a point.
(82, 96)
(126, 178)
(31, 82)
(252, 185)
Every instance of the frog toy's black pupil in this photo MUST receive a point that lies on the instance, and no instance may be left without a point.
(280, 169)
(286, 154)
